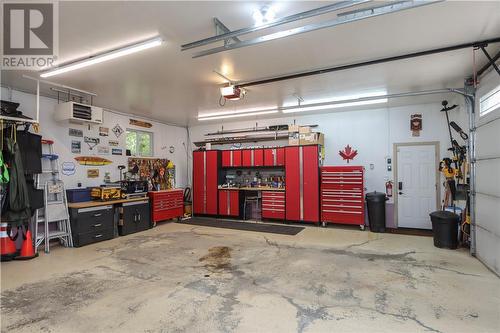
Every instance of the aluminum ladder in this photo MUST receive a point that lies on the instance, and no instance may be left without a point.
(54, 217)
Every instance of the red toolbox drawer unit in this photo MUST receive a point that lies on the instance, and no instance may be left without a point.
(342, 195)
(273, 205)
(168, 204)
(229, 203)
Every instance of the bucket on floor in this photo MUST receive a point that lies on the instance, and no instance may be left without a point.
(445, 229)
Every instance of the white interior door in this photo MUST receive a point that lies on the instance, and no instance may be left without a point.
(416, 185)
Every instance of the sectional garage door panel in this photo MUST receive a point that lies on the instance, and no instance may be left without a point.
(488, 249)
(488, 179)
(487, 175)
(489, 139)
(487, 212)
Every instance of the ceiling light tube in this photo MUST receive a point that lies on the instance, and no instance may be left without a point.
(238, 115)
(144, 45)
(305, 108)
(222, 113)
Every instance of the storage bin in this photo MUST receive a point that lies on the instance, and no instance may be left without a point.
(78, 195)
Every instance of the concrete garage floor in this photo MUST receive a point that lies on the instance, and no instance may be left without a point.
(182, 278)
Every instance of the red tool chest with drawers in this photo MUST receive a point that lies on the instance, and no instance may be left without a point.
(231, 158)
(302, 183)
(273, 205)
(252, 157)
(342, 195)
(229, 203)
(274, 156)
(205, 181)
(165, 205)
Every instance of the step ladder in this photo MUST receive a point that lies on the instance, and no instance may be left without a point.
(52, 221)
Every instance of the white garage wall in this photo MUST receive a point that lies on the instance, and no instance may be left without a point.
(164, 136)
(371, 132)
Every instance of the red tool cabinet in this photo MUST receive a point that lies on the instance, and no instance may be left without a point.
(273, 205)
(205, 181)
(302, 183)
(274, 156)
(231, 158)
(252, 157)
(342, 195)
(229, 203)
(165, 205)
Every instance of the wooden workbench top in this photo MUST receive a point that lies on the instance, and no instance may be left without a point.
(263, 188)
(87, 204)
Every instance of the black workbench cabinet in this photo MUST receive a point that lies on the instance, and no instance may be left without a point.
(135, 217)
(92, 224)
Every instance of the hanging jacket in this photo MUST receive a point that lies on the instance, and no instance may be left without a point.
(18, 209)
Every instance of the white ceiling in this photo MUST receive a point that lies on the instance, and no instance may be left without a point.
(166, 84)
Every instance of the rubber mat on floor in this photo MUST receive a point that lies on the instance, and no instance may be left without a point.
(246, 226)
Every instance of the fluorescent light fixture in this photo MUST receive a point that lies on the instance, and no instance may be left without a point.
(223, 113)
(144, 45)
(339, 102)
(237, 115)
(305, 108)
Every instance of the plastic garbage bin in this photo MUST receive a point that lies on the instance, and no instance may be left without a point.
(375, 201)
(445, 229)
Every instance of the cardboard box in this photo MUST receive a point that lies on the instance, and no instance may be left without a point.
(304, 129)
(315, 138)
(293, 139)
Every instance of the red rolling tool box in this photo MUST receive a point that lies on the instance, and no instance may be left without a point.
(342, 195)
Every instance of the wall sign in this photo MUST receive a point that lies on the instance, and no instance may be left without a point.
(113, 143)
(116, 151)
(75, 132)
(415, 124)
(103, 131)
(91, 142)
(118, 130)
(68, 168)
(103, 150)
(76, 147)
(92, 160)
(140, 123)
(92, 173)
(348, 153)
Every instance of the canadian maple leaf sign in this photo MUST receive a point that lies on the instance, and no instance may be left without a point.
(348, 153)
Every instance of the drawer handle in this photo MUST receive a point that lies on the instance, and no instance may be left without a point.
(97, 225)
(97, 214)
(98, 236)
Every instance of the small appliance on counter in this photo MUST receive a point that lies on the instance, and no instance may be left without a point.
(105, 193)
(134, 188)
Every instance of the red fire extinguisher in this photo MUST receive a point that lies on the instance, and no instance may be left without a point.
(388, 188)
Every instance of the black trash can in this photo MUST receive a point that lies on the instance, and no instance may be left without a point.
(375, 201)
(445, 229)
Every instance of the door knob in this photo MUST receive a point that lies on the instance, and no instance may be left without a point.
(400, 192)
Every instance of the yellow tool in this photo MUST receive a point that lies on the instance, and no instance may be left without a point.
(106, 193)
